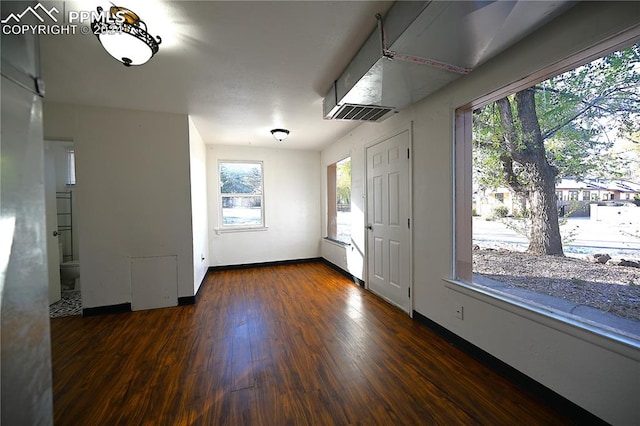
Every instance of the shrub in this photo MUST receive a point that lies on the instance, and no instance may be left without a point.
(500, 211)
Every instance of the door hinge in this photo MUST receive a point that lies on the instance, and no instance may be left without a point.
(409, 223)
(409, 292)
(408, 153)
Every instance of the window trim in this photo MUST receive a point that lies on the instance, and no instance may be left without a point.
(222, 228)
(462, 159)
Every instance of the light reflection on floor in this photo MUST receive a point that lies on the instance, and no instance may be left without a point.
(354, 304)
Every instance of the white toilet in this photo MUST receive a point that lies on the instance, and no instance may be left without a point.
(69, 274)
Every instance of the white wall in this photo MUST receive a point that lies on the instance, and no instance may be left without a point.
(133, 191)
(600, 374)
(292, 207)
(199, 218)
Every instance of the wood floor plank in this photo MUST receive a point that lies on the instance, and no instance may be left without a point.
(295, 344)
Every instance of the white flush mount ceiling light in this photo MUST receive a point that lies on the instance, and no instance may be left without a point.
(124, 36)
(280, 134)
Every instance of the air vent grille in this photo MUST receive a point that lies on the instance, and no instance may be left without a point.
(361, 112)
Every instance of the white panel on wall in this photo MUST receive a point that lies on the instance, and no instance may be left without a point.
(154, 282)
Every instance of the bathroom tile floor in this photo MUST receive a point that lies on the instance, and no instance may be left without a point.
(69, 305)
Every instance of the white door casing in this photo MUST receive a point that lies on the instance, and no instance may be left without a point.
(388, 220)
(53, 256)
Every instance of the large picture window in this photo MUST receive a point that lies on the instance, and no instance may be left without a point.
(241, 194)
(542, 243)
(339, 201)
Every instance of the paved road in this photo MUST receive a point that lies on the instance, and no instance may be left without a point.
(589, 236)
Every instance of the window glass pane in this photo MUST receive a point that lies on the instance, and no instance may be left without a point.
(241, 178)
(71, 167)
(241, 190)
(343, 199)
(242, 211)
(519, 246)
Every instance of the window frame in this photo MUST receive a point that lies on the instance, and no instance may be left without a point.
(71, 167)
(462, 149)
(234, 228)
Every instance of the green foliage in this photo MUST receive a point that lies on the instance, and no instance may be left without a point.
(343, 181)
(579, 112)
(636, 200)
(500, 211)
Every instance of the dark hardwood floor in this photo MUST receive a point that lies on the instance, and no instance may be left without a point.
(294, 344)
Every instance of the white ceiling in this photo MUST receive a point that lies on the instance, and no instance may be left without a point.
(238, 68)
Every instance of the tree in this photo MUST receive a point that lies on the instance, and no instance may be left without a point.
(561, 127)
(343, 184)
(628, 147)
(240, 178)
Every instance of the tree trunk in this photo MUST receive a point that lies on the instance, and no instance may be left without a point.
(525, 145)
(545, 230)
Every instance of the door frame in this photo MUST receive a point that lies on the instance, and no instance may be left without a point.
(51, 224)
(408, 127)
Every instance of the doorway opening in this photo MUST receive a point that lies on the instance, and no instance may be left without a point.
(62, 232)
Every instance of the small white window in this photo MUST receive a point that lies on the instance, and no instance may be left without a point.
(71, 167)
(241, 194)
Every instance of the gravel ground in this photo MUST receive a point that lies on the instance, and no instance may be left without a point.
(614, 289)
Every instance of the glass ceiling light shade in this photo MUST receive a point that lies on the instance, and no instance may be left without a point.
(124, 36)
(280, 134)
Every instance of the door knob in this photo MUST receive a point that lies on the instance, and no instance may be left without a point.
(370, 227)
(55, 233)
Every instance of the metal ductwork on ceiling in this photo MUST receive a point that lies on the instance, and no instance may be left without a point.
(419, 47)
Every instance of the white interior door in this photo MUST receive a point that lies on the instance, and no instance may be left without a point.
(388, 216)
(53, 257)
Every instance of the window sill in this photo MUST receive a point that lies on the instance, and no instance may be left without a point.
(336, 242)
(219, 231)
(548, 311)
